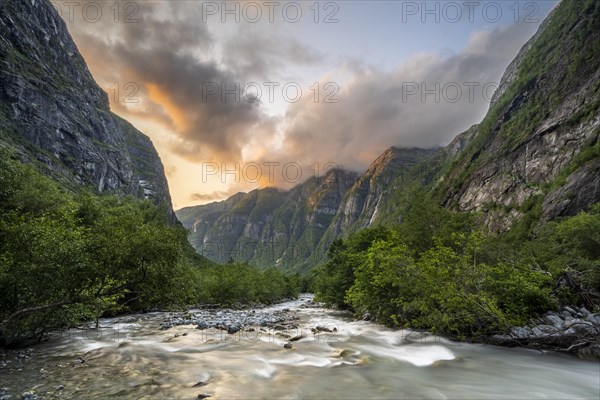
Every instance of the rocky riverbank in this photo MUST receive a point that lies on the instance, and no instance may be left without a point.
(231, 320)
(572, 330)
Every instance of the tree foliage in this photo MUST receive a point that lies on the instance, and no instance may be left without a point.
(437, 271)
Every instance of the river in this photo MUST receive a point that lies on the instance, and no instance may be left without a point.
(131, 358)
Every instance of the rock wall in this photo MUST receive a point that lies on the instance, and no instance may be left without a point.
(55, 115)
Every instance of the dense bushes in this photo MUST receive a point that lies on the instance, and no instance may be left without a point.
(454, 280)
(241, 283)
(66, 258)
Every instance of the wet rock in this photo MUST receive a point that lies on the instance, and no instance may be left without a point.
(203, 396)
(288, 345)
(202, 325)
(231, 329)
(59, 387)
(591, 352)
(584, 311)
(29, 396)
(296, 338)
(222, 319)
(500, 340)
(200, 384)
(366, 317)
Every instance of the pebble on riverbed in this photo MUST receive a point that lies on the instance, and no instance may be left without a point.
(230, 320)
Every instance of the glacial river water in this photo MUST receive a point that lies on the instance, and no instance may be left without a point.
(131, 358)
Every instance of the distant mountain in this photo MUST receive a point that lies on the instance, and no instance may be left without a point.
(293, 230)
(268, 227)
(54, 114)
(535, 154)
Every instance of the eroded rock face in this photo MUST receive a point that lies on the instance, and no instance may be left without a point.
(54, 114)
(552, 93)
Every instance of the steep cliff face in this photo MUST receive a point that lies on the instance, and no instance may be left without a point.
(538, 144)
(54, 114)
(268, 227)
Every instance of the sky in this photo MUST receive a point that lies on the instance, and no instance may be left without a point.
(237, 95)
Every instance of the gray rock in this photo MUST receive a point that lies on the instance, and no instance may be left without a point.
(554, 320)
(231, 329)
(520, 332)
(584, 311)
(537, 332)
(570, 310)
(288, 346)
(203, 396)
(585, 328)
(29, 396)
(202, 325)
(594, 318)
(547, 328)
(59, 387)
(296, 338)
(565, 314)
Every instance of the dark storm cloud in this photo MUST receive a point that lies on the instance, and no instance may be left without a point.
(163, 57)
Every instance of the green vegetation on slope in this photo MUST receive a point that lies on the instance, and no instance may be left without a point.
(70, 257)
(436, 271)
(556, 65)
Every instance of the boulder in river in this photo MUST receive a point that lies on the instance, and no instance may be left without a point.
(231, 329)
